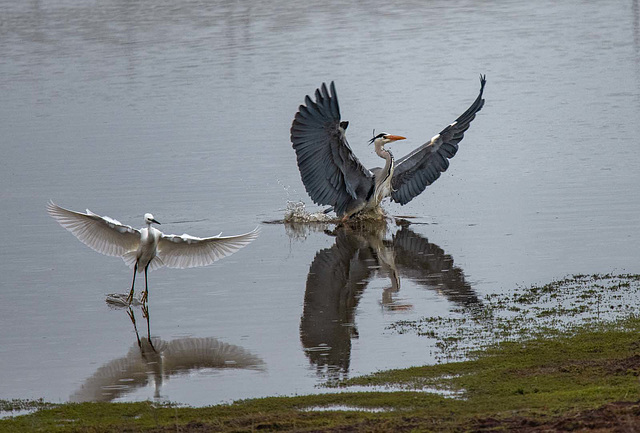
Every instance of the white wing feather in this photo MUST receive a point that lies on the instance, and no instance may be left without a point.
(102, 234)
(188, 251)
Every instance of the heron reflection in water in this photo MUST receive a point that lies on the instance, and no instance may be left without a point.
(153, 360)
(338, 276)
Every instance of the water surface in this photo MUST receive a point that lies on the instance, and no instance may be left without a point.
(183, 109)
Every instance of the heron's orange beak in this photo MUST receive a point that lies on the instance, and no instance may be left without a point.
(395, 137)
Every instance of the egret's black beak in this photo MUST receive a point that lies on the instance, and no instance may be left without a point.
(154, 221)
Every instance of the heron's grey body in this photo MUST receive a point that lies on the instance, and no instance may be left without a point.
(332, 175)
(147, 248)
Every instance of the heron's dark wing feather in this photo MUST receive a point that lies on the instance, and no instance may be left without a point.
(331, 173)
(414, 172)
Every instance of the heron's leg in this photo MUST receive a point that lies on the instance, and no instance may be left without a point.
(133, 284)
(146, 287)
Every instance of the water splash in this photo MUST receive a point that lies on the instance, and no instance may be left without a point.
(119, 300)
(299, 223)
(296, 212)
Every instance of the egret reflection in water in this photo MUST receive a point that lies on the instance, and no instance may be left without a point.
(338, 276)
(153, 360)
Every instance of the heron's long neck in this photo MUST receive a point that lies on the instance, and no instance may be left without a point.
(383, 153)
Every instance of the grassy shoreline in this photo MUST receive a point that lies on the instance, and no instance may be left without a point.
(583, 376)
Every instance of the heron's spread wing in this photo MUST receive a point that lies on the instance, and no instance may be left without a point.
(331, 173)
(103, 234)
(189, 251)
(414, 172)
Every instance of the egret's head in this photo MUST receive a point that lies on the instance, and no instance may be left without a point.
(148, 218)
(384, 138)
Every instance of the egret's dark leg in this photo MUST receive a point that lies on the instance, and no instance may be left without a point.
(133, 284)
(146, 287)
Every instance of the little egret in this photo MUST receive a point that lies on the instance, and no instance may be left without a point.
(332, 175)
(147, 248)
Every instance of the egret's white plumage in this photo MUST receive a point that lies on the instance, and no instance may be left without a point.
(146, 248)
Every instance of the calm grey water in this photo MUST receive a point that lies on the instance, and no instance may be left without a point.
(183, 109)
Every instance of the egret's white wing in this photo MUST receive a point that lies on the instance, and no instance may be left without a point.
(103, 234)
(189, 251)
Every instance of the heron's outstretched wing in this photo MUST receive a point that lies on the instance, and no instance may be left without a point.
(102, 234)
(189, 251)
(414, 172)
(331, 173)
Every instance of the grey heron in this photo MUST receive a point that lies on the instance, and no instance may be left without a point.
(332, 175)
(146, 248)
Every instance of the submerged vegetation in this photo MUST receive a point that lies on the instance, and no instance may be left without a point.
(565, 356)
(557, 308)
(23, 405)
